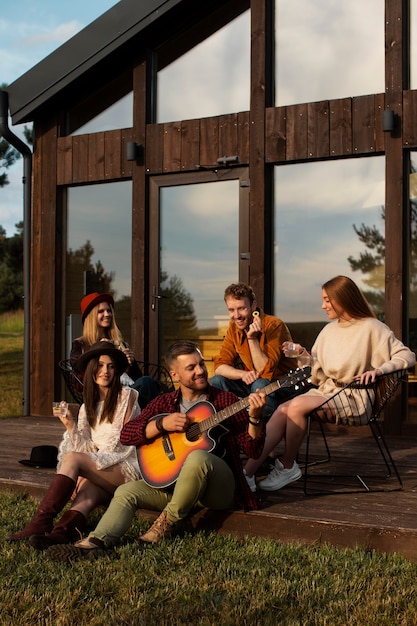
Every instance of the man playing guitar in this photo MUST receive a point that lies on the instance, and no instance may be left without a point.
(203, 477)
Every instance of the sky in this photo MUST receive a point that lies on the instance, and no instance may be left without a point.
(29, 31)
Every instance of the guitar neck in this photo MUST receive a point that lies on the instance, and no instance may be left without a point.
(220, 416)
(287, 381)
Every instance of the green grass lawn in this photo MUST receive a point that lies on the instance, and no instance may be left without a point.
(204, 579)
(11, 364)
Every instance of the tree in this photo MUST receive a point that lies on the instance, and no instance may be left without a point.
(372, 263)
(83, 276)
(8, 156)
(177, 310)
(11, 270)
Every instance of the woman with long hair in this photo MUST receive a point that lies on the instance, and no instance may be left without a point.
(90, 449)
(99, 323)
(354, 346)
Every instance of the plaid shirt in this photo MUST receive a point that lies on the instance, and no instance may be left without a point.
(237, 439)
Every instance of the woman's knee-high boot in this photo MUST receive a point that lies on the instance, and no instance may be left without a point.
(58, 494)
(69, 528)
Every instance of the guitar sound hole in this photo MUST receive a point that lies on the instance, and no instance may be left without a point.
(193, 432)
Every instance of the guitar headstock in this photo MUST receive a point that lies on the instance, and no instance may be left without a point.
(300, 376)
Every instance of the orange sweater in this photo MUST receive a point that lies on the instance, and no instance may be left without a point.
(235, 347)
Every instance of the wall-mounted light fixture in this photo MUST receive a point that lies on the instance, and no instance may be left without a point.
(388, 120)
(134, 151)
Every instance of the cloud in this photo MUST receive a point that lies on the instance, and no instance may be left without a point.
(320, 49)
(211, 79)
(58, 35)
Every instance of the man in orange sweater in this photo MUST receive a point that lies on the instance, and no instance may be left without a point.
(251, 355)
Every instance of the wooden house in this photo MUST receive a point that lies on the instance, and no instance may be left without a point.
(227, 167)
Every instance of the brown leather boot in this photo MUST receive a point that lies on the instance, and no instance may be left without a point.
(160, 529)
(68, 529)
(55, 499)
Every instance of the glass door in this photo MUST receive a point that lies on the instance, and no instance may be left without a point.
(199, 245)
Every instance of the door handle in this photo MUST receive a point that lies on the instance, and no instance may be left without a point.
(156, 296)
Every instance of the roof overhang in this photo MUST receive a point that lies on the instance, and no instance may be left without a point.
(82, 52)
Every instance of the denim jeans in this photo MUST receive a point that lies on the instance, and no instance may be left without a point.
(148, 388)
(242, 390)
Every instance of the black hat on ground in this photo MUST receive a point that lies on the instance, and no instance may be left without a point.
(42, 457)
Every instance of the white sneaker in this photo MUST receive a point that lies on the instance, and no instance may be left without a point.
(251, 482)
(280, 476)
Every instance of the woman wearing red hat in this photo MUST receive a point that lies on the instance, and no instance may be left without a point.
(99, 323)
(90, 449)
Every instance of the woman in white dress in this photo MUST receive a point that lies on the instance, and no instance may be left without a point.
(92, 462)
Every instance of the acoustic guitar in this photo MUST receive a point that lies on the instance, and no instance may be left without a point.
(160, 462)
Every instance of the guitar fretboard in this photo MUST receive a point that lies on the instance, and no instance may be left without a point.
(288, 381)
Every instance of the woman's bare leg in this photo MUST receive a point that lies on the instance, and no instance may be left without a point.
(77, 464)
(300, 409)
(275, 431)
(88, 497)
(289, 421)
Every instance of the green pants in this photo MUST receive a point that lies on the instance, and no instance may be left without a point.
(204, 480)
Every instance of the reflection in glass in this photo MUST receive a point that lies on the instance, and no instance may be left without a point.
(118, 115)
(99, 250)
(325, 216)
(413, 252)
(198, 259)
(413, 44)
(328, 49)
(211, 79)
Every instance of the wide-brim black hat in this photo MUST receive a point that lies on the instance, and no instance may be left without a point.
(42, 457)
(99, 348)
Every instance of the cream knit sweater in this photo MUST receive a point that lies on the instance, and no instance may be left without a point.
(343, 350)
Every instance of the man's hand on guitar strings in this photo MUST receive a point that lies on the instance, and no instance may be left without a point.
(176, 422)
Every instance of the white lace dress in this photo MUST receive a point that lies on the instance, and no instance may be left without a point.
(102, 443)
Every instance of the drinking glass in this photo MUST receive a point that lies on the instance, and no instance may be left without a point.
(59, 409)
(291, 350)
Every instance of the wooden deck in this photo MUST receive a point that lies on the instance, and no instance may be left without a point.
(385, 522)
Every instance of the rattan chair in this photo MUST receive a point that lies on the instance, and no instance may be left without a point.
(159, 373)
(368, 401)
(75, 385)
(72, 382)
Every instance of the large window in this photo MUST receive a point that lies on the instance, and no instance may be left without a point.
(211, 79)
(325, 217)
(118, 115)
(413, 44)
(98, 258)
(328, 49)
